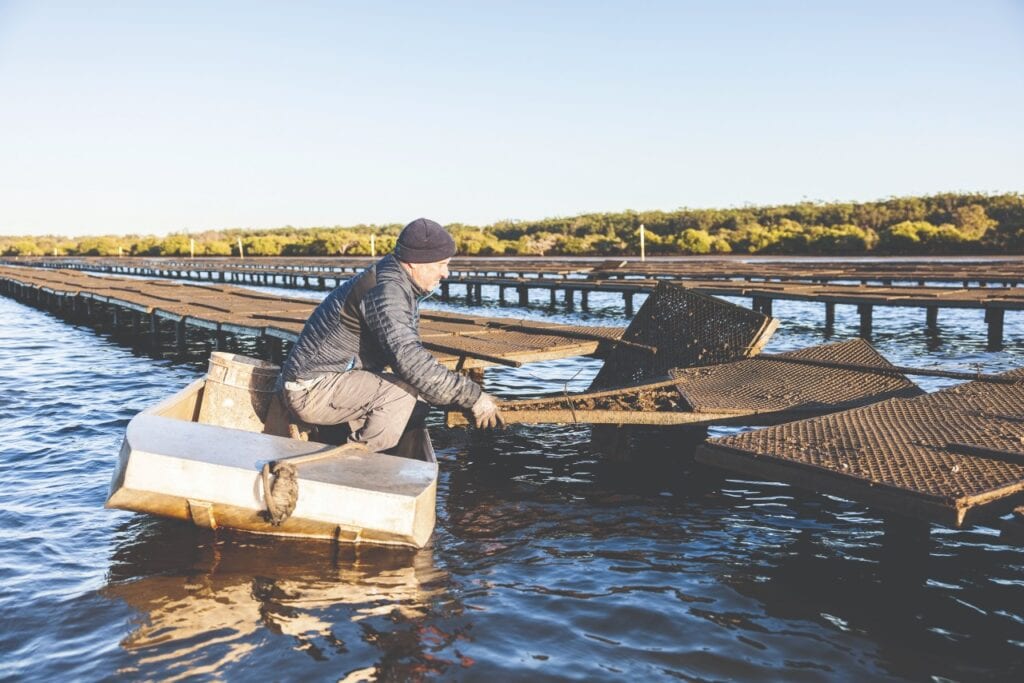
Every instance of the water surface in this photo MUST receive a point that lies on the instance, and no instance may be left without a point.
(547, 562)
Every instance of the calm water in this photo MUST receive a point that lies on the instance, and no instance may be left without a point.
(547, 563)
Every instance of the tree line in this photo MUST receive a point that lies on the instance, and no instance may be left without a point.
(951, 223)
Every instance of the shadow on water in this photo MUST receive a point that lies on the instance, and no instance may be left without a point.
(562, 462)
(898, 595)
(809, 586)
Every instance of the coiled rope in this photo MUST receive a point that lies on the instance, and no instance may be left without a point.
(281, 480)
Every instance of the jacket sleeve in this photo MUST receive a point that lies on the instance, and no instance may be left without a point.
(389, 315)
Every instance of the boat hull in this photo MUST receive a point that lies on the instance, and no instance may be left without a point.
(173, 466)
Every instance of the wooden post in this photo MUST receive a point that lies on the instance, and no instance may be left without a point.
(932, 319)
(830, 319)
(241, 252)
(570, 301)
(994, 318)
(628, 299)
(524, 295)
(191, 247)
(445, 294)
(585, 299)
(154, 332)
(865, 311)
(373, 246)
(501, 295)
(642, 254)
(553, 300)
(179, 336)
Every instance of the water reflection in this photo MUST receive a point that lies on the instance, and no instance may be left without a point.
(208, 602)
(918, 600)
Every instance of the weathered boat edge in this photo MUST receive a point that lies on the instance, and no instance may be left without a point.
(237, 502)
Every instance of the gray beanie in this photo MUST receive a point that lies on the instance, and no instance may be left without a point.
(424, 241)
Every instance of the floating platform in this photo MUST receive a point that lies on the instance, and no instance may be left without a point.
(458, 341)
(754, 391)
(866, 285)
(953, 457)
(998, 271)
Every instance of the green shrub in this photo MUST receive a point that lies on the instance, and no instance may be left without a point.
(909, 237)
(841, 239)
(693, 241)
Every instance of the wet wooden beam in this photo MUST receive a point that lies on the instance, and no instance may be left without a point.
(994, 318)
(866, 314)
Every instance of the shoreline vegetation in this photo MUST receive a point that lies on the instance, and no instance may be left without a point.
(952, 223)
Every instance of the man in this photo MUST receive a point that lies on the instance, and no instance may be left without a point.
(335, 372)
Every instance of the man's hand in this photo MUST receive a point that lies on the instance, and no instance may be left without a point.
(486, 413)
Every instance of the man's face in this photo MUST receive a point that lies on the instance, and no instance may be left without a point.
(428, 276)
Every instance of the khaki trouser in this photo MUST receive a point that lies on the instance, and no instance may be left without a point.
(376, 405)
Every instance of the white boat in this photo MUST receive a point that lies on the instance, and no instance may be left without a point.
(198, 456)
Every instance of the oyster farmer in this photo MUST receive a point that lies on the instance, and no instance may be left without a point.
(336, 371)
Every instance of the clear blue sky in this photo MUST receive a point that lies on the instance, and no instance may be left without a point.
(199, 115)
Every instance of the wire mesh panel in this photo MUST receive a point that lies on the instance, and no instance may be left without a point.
(947, 453)
(751, 391)
(762, 384)
(687, 329)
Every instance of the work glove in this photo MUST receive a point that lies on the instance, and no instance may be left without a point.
(486, 413)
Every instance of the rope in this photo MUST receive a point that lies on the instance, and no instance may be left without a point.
(280, 493)
(281, 481)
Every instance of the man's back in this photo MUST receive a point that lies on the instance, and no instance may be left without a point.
(330, 340)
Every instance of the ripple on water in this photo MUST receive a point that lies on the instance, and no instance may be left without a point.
(547, 562)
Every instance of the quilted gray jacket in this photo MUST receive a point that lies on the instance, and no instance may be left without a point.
(372, 321)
